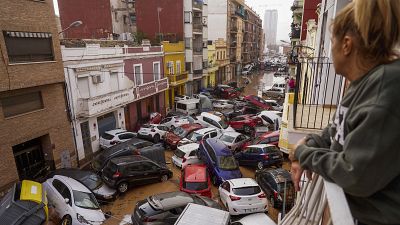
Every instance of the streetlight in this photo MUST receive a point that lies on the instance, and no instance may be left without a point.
(73, 24)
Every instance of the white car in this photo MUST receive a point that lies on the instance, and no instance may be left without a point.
(186, 155)
(198, 135)
(255, 219)
(247, 69)
(242, 196)
(209, 120)
(222, 104)
(74, 203)
(271, 116)
(176, 121)
(234, 140)
(154, 132)
(113, 137)
(181, 97)
(274, 105)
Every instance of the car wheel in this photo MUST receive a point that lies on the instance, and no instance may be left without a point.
(66, 220)
(156, 138)
(260, 165)
(247, 129)
(122, 187)
(164, 178)
(272, 200)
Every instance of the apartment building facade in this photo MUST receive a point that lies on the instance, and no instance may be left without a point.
(101, 19)
(253, 38)
(34, 126)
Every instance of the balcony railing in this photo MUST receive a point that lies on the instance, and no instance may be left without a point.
(319, 202)
(178, 79)
(317, 92)
(295, 33)
(197, 74)
(88, 107)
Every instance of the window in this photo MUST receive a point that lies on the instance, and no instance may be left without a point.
(20, 104)
(188, 43)
(138, 73)
(28, 47)
(171, 67)
(126, 136)
(178, 67)
(188, 17)
(114, 81)
(193, 153)
(132, 18)
(125, 18)
(211, 152)
(189, 67)
(156, 70)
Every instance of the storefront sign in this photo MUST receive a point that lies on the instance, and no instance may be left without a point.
(162, 84)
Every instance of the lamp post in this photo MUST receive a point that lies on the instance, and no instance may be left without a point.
(73, 24)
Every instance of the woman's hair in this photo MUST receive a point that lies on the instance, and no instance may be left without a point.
(375, 25)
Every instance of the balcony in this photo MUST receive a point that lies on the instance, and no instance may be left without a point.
(197, 74)
(197, 5)
(151, 88)
(297, 7)
(89, 107)
(234, 29)
(197, 25)
(175, 80)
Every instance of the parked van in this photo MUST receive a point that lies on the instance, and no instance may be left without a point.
(188, 107)
(195, 214)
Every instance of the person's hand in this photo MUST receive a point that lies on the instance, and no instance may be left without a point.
(296, 172)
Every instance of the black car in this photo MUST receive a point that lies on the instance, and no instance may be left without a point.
(272, 182)
(121, 172)
(121, 149)
(91, 180)
(165, 208)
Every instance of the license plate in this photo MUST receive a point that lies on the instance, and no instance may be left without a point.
(250, 210)
(276, 157)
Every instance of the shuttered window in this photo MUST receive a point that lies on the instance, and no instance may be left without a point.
(20, 104)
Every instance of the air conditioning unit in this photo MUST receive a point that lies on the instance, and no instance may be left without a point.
(95, 79)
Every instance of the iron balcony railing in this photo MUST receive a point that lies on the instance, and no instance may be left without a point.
(317, 92)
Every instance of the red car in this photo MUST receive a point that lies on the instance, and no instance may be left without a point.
(245, 123)
(226, 92)
(268, 138)
(259, 102)
(195, 180)
(172, 138)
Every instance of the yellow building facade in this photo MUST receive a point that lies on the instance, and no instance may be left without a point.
(212, 65)
(224, 73)
(174, 69)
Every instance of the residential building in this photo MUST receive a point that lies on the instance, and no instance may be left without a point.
(35, 129)
(236, 15)
(109, 19)
(252, 46)
(309, 13)
(224, 70)
(174, 67)
(270, 26)
(186, 21)
(209, 81)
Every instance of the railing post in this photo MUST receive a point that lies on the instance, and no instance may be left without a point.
(296, 92)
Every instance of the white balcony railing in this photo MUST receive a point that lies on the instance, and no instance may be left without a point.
(88, 107)
(319, 202)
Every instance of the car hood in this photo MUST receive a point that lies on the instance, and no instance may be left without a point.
(94, 216)
(229, 174)
(172, 137)
(104, 190)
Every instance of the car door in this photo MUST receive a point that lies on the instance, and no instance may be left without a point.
(151, 172)
(59, 192)
(134, 173)
(254, 155)
(224, 190)
(125, 136)
(244, 156)
(235, 123)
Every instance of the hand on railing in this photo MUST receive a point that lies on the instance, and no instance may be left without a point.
(296, 169)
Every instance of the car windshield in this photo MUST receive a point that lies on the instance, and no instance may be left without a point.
(227, 138)
(92, 181)
(223, 124)
(195, 186)
(194, 136)
(107, 136)
(179, 131)
(246, 190)
(85, 200)
(228, 163)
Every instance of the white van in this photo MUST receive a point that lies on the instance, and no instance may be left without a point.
(209, 120)
(188, 107)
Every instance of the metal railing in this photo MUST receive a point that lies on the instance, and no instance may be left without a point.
(317, 92)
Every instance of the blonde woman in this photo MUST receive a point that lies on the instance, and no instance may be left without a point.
(360, 151)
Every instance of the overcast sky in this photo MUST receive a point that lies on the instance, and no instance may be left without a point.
(284, 14)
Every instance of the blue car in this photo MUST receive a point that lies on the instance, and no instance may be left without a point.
(260, 156)
(219, 160)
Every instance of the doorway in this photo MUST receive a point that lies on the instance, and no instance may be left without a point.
(86, 140)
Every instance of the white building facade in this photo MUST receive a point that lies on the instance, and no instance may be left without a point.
(270, 26)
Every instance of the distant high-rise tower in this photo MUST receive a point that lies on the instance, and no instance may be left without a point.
(270, 26)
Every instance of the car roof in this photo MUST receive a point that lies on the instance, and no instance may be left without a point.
(242, 182)
(191, 126)
(211, 116)
(122, 160)
(219, 147)
(205, 130)
(261, 146)
(270, 134)
(195, 173)
(170, 200)
(73, 172)
(189, 101)
(231, 133)
(72, 183)
(280, 175)
(188, 147)
(115, 132)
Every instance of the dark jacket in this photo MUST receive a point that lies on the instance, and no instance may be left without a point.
(365, 150)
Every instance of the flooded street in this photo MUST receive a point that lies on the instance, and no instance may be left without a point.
(124, 205)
